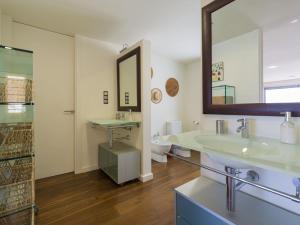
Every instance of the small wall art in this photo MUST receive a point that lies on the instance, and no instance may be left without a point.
(156, 95)
(152, 72)
(218, 71)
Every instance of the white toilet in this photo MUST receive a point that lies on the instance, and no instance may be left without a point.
(175, 127)
(160, 145)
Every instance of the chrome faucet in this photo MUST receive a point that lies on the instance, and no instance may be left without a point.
(244, 128)
(156, 136)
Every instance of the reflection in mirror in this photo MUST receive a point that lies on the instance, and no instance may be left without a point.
(129, 81)
(256, 52)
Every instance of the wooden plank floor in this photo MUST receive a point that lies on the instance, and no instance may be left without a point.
(92, 198)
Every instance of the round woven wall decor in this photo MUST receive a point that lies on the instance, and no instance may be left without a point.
(172, 87)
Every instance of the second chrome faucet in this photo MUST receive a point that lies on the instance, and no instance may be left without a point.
(244, 128)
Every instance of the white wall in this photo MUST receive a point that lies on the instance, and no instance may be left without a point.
(192, 96)
(170, 108)
(6, 27)
(53, 69)
(95, 73)
(141, 135)
(242, 65)
(146, 110)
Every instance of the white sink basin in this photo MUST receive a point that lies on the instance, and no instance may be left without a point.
(232, 150)
(234, 146)
(228, 162)
(114, 123)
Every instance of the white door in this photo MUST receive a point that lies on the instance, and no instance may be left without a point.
(53, 71)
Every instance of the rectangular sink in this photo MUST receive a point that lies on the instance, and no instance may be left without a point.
(236, 152)
(237, 146)
(111, 123)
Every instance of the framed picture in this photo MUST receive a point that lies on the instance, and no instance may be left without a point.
(156, 95)
(218, 71)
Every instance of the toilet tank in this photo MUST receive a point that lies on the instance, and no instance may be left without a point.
(174, 127)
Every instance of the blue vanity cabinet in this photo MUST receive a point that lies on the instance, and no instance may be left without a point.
(189, 213)
(202, 201)
(181, 221)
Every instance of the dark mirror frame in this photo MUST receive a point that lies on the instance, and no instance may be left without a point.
(258, 109)
(137, 52)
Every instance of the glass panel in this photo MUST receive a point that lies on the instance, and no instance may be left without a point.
(223, 94)
(14, 113)
(24, 217)
(15, 63)
(15, 90)
(16, 117)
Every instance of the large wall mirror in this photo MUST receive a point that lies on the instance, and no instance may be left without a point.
(251, 57)
(129, 81)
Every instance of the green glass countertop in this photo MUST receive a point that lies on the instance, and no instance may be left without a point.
(260, 152)
(114, 123)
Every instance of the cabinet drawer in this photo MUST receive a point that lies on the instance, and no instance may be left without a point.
(194, 214)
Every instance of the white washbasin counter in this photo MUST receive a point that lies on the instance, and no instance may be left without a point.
(107, 123)
(260, 152)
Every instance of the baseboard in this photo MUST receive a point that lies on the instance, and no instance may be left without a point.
(146, 177)
(86, 169)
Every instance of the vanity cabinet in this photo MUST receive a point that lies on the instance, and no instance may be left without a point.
(188, 213)
(121, 162)
(181, 221)
(202, 201)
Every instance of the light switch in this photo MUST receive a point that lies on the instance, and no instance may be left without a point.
(105, 97)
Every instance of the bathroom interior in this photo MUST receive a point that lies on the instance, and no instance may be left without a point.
(150, 112)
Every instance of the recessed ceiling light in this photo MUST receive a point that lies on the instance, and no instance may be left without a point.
(272, 67)
(294, 21)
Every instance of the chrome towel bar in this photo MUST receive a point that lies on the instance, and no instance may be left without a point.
(263, 187)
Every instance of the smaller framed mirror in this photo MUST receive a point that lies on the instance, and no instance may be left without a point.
(129, 81)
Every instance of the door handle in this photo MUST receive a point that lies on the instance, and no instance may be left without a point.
(69, 111)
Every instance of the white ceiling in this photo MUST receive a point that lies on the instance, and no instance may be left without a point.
(173, 26)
